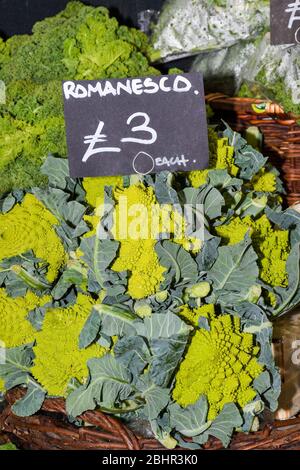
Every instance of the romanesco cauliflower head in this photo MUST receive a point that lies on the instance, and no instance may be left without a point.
(94, 188)
(143, 219)
(221, 364)
(15, 328)
(58, 357)
(271, 245)
(221, 157)
(30, 226)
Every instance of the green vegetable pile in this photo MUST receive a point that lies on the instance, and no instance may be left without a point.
(81, 42)
(171, 329)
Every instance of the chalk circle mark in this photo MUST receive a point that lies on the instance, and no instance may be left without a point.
(143, 163)
(297, 36)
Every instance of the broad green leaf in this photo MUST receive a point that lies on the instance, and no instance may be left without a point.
(98, 255)
(166, 325)
(221, 178)
(7, 204)
(31, 402)
(234, 272)
(290, 296)
(208, 254)
(156, 398)
(190, 421)
(208, 196)
(90, 330)
(178, 262)
(133, 352)
(54, 199)
(222, 427)
(57, 170)
(249, 160)
(18, 359)
(164, 192)
(109, 382)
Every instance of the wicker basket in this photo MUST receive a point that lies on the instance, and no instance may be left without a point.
(281, 134)
(50, 430)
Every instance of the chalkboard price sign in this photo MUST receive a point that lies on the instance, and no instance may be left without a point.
(285, 22)
(136, 125)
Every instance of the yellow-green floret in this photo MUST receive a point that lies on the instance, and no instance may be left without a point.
(221, 364)
(15, 328)
(221, 157)
(271, 244)
(192, 315)
(30, 226)
(57, 354)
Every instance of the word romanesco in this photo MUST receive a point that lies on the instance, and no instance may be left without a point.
(221, 364)
(30, 226)
(58, 357)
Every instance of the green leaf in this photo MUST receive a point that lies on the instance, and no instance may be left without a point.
(222, 427)
(234, 272)
(57, 170)
(7, 204)
(109, 382)
(208, 254)
(165, 325)
(156, 398)
(134, 353)
(168, 337)
(18, 359)
(164, 192)
(222, 179)
(190, 421)
(290, 296)
(249, 160)
(54, 199)
(98, 255)
(179, 263)
(208, 196)
(90, 330)
(31, 402)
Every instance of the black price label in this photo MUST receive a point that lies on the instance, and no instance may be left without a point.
(285, 22)
(136, 125)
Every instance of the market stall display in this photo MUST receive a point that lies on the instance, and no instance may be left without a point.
(129, 329)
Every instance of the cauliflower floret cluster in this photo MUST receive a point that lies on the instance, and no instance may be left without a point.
(221, 364)
(271, 245)
(15, 328)
(30, 226)
(192, 315)
(221, 157)
(95, 186)
(57, 355)
(264, 181)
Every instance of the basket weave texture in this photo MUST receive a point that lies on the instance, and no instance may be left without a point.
(50, 430)
(281, 134)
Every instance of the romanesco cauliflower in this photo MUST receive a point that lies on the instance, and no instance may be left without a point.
(58, 357)
(30, 226)
(221, 364)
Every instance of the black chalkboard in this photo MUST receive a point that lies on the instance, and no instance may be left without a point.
(285, 22)
(136, 125)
